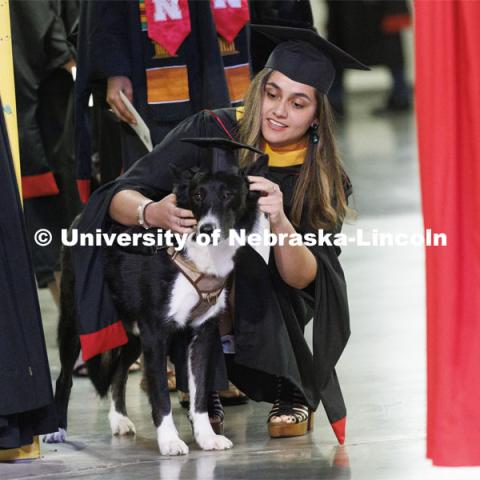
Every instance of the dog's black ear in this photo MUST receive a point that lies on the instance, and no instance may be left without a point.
(182, 174)
(258, 168)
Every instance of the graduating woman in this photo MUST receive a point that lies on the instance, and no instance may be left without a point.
(286, 114)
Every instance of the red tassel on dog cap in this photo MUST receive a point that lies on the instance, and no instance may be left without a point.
(339, 429)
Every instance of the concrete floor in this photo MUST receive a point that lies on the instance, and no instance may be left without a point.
(382, 370)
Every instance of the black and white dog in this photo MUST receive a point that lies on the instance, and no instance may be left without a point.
(159, 294)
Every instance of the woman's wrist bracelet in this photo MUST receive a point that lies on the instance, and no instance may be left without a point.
(141, 213)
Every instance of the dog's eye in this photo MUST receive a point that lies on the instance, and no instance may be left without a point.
(227, 194)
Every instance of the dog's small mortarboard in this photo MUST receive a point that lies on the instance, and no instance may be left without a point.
(300, 54)
(223, 158)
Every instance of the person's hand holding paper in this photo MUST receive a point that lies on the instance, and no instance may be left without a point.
(115, 87)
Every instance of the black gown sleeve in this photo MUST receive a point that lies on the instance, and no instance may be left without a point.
(327, 297)
(151, 173)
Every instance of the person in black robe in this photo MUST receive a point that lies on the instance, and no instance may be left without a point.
(371, 31)
(115, 53)
(272, 361)
(43, 39)
(26, 398)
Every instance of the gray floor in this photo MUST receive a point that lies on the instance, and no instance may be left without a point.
(382, 370)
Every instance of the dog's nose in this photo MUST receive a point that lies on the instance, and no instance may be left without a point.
(207, 228)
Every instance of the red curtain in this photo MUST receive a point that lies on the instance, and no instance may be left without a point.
(447, 44)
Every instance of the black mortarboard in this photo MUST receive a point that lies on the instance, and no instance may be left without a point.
(300, 54)
(223, 152)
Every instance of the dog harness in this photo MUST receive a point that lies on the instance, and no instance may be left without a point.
(208, 287)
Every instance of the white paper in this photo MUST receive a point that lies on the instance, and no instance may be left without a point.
(140, 128)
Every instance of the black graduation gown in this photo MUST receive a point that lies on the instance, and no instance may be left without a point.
(269, 315)
(269, 326)
(26, 398)
(111, 43)
(41, 45)
(44, 94)
(357, 27)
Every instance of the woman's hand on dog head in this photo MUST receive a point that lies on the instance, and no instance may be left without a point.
(165, 214)
(272, 200)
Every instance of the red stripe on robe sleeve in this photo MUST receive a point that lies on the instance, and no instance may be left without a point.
(103, 340)
(42, 185)
(83, 187)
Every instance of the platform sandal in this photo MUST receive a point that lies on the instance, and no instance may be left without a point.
(290, 403)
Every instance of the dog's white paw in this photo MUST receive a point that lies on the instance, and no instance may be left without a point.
(120, 424)
(172, 446)
(214, 442)
(59, 436)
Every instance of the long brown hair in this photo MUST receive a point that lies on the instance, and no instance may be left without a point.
(319, 195)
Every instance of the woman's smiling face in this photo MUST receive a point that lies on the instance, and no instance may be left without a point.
(288, 110)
